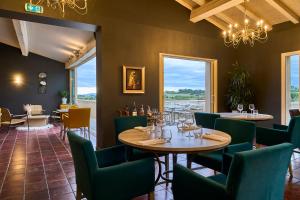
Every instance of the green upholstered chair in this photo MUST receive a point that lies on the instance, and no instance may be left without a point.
(252, 175)
(105, 174)
(280, 134)
(206, 120)
(126, 123)
(242, 135)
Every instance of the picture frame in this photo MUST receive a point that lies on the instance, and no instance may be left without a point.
(133, 80)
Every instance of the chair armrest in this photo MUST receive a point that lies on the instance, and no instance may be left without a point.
(19, 116)
(268, 136)
(128, 180)
(111, 156)
(280, 127)
(238, 147)
(189, 185)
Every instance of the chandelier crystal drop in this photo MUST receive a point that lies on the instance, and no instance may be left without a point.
(79, 6)
(247, 33)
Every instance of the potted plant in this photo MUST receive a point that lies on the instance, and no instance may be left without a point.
(64, 95)
(239, 90)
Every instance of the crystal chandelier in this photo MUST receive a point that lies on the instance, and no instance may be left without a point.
(247, 33)
(79, 6)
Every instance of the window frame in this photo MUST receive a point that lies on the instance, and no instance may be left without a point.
(213, 78)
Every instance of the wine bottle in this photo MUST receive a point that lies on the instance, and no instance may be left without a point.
(134, 110)
(142, 111)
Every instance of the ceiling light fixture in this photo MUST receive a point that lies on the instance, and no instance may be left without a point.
(246, 33)
(79, 6)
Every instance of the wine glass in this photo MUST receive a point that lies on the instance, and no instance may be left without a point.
(198, 132)
(251, 107)
(181, 120)
(189, 122)
(240, 108)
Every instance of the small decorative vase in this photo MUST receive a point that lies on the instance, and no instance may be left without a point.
(64, 100)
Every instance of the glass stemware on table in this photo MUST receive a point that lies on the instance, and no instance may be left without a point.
(251, 108)
(240, 108)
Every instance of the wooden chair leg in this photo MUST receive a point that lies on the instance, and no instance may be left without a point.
(78, 194)
(291, 170)
(151, 196)
(64, 137)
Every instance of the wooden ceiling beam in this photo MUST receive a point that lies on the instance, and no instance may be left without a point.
(284, 10)
(212, 8)
(252, 15)
(22, 35)
(213, 20)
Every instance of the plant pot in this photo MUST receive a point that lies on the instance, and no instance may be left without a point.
(64, 100)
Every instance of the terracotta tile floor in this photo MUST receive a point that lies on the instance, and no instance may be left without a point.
(38, 165)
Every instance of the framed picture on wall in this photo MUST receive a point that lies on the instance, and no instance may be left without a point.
(133, 80)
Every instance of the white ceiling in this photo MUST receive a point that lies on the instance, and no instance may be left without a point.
(57, 43)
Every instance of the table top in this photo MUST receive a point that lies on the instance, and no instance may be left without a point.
(62, 110)
(38, 116)
(178, 144)
(246, 116)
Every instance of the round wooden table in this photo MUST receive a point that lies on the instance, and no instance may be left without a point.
(179, 143)
(246, 116)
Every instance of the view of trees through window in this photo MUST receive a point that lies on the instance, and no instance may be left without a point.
(294, 74)
(184, 84)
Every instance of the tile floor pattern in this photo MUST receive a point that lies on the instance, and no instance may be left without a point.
(38, 165)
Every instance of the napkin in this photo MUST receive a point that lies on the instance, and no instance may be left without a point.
(214, 137)
(152, 142)
(141, 128)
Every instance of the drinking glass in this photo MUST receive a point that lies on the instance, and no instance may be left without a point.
(167, 135)
(181, 120)
(251, 107)
(255, 112)
(189, 122)
(240, 108)
(198, 132)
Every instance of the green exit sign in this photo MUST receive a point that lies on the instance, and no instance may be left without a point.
(33, 8)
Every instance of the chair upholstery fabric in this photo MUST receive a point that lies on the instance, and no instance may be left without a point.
(242, 135)
(206, 120)
(291, 134)
(126, 123)
(105, 175)
(252, 175)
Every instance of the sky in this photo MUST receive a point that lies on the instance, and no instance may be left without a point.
(183, 74)
(86, 77)
(295, 70)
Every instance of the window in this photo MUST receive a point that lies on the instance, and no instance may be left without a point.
(290, 84)
(187, 83)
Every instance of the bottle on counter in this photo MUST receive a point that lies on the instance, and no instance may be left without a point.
(134, 110)
(142, 111)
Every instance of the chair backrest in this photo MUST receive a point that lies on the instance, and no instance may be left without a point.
(240, 131)
(36, 109)
(85, 162)
(294, 131)
(206, 120)
(125, 123)
(294, 112)
(79, 117)
(259, 174)
(6, 115)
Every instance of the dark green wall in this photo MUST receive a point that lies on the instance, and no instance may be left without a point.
(13, 97)
(264, 63)
(134, 32)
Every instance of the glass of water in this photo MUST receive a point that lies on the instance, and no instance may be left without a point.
(251, 107)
